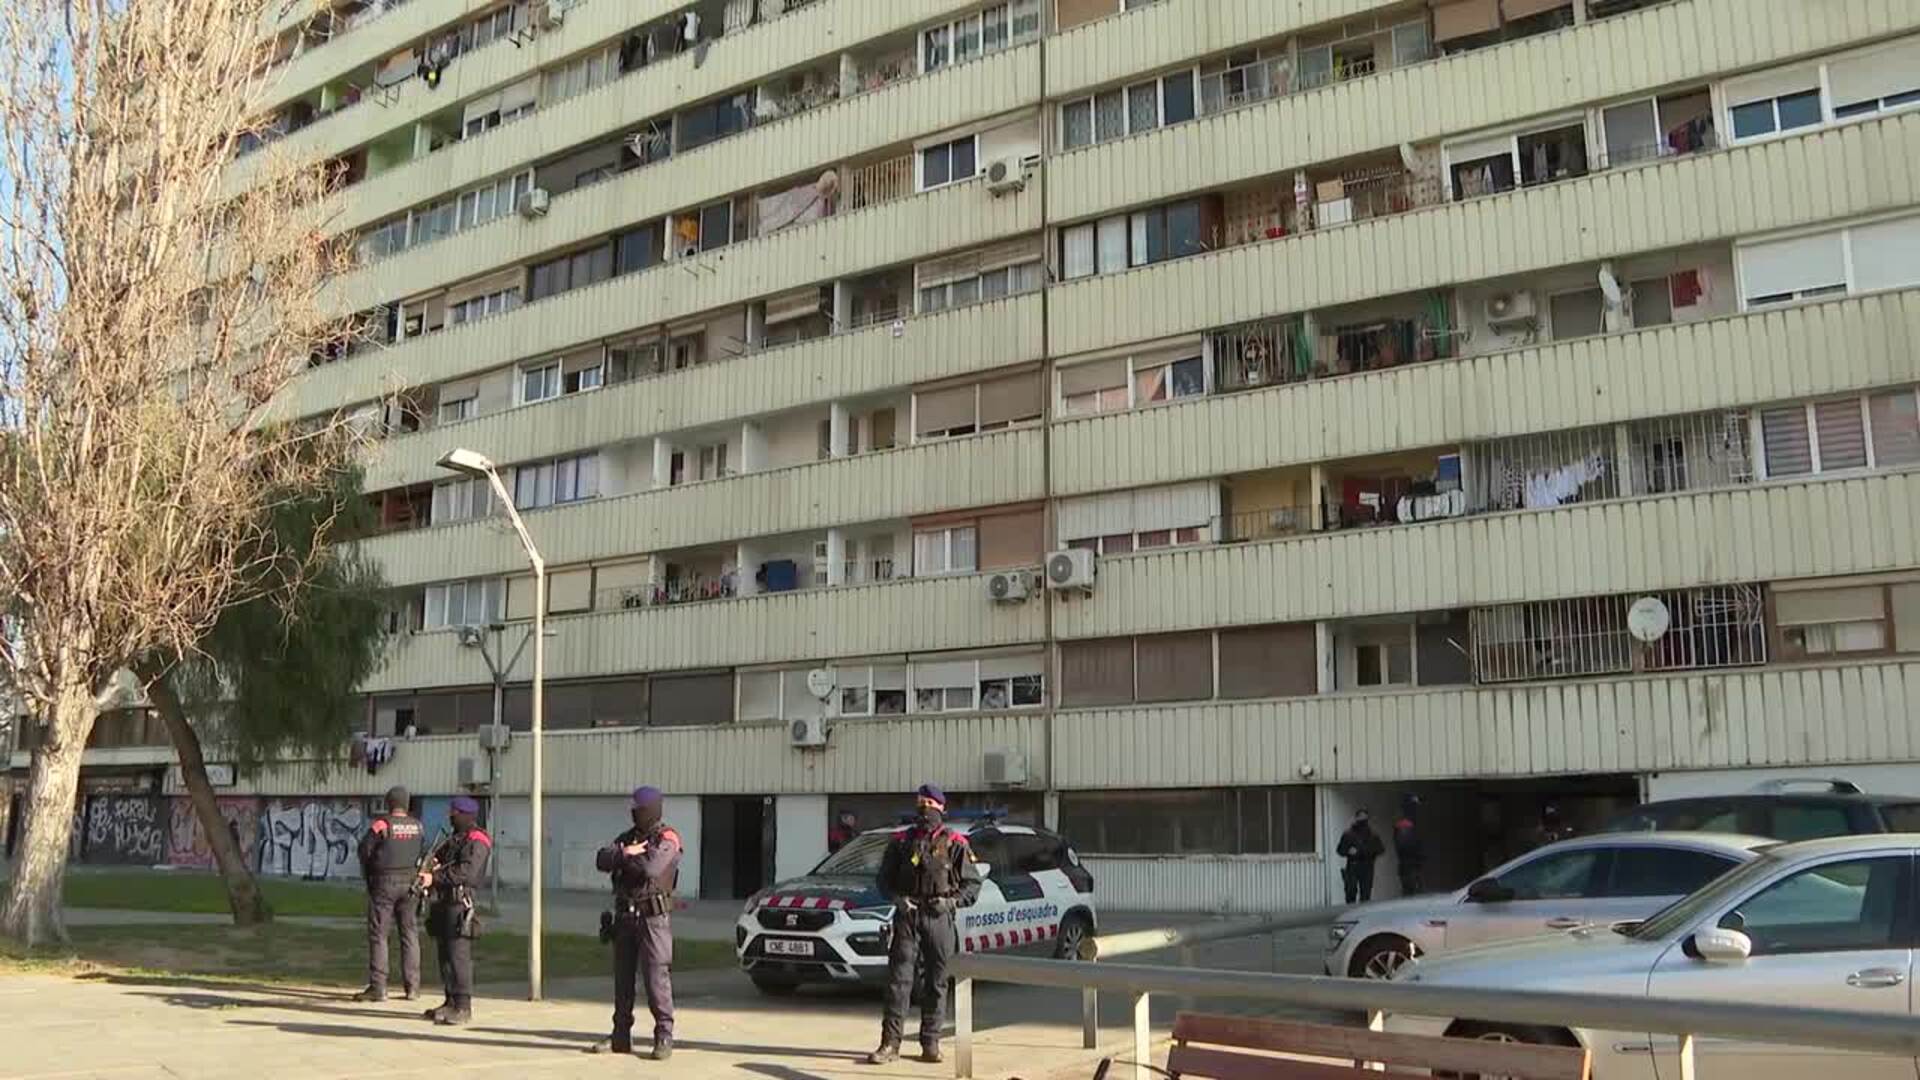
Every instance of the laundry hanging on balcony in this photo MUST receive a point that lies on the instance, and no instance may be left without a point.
(1556, 486)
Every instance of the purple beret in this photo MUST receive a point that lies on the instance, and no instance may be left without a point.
(648, 796)
(933, 794)
(464, 804)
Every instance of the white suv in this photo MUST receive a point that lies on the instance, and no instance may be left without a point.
(834, 926)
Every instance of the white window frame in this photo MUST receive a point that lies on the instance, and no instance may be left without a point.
(1135, 368)
(557, 481)
(948, 535)
(939, 297)
(1512, 135)
(461, 500)
(455, 410)
(920, 162)
(1090, 101)
(483, 306)
(436, 608)
(549, 374)
(974, 23)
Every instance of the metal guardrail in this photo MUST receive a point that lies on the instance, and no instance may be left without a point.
(1826, 1028)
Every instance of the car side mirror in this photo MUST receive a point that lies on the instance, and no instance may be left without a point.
(985, 868)
(1488, 891)
(1717, 945)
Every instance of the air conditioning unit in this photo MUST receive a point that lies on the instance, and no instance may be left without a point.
(549, 15)
(1009, 587)
(1005, 767)
(1007, 176)
(1070, 569)
(535, 203)
(808, 731)
(473, 773)
(495, 736)
(1510, 307)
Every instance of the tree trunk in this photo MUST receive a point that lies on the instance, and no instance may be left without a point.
(31, 915)
(243, 892)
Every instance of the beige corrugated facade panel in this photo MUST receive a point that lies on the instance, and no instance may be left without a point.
(861, 756)
(960, 341)
(1733, 719)
(914, 228)
(1838, 172)
(733, 62)
(1804, 529)
(1738, 361)
(1172, 31)
(1209, 883)
(1606, 58)
(987, 470)
(366, 44)
(818, 139)
(916, 615)
(420, 765)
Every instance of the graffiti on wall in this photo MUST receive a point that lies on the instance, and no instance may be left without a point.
(313, 839)
(187, 842)
(126, 829)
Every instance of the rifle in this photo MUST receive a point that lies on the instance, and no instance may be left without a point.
(429, 862)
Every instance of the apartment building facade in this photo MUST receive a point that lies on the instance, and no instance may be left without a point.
(1178, 422)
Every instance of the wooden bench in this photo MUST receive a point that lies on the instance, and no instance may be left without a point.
(1216, 1047)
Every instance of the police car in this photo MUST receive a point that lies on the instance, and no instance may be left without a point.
(834, 926)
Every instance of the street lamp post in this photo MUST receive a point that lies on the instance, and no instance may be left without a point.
(471, 463)
(499, 671)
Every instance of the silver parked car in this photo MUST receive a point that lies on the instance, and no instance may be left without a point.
(1596, 879)
(1823, 924)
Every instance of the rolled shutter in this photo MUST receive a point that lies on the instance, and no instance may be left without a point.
(1183, 506)
(1464, 18)
(1011, 398)
(480, 107)
(1778, 267)
(1772, 84)
(1091, 516)
(1175, 667)
(570, 590)
(1520, 9)
(1090, 378)
(1799, 608)
(1876, 73)
(1785, 437)
(1268, 661)
(1096, 672)
(1011, 540)
(524, 92)
(943, 410)
(1886, 254)
(680, 700)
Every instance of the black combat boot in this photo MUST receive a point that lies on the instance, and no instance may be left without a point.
(411, 993)
(459, 1014)
(439, 1010)
(371, 993)
(612, 1044)
(662, 1047)
(930, 1051)
(887, 1053)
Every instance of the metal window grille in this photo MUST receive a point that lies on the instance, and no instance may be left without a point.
(1536, 472)
(1711, 627)
(1258, 354)
(1692, 452)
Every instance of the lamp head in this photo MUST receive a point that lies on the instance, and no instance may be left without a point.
(470, 462)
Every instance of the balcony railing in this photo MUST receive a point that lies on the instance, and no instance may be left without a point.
(868, 571)
(1711, 627)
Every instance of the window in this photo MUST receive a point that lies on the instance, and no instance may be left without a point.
(946, 551)
(978, 34)
(1097, 387)
(1167, 232)
(1012, 692)
(640, 249)
(464, 603)
(1131, 110)
(579, 76)
(943, 687)
(454, 410)
(1831, 436)
(1203, 821)
(947, 163)
(461, 500)
(539, 384)
(1564, 875)
(490, 201)
(1576, 314)
(715, 120)
(988, 285)
(1851, 905)
(1383, 656)
(1157, 381)
(563, 480)
(484, 306)
(1653, 871)
(1832, 621)
(575, 271)
(713, 462)
(1766, 116)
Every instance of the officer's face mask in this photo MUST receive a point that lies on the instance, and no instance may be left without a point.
(645, 817)
(930, 815)
(462, 822)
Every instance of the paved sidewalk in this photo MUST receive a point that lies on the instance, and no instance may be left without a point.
(132, 1029)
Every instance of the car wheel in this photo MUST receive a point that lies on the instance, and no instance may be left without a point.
(1380, 957)
(1075, 931)
(1506, 1033)
(773, 987)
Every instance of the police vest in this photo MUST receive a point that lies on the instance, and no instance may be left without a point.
(401, 842)
(928, 865)
(639, 886)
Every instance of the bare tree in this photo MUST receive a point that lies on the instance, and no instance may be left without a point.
(153, 313)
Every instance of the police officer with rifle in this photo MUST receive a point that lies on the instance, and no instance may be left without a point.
(644, 865)
(453, 868)
(390, 858)
(928, 872)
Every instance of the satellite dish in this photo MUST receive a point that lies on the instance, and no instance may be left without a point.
(1407, 158)
(820, 683)
(1648, 619)
(1610, 287)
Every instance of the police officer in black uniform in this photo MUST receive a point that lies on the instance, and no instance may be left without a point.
(457, 865)
(928, 871)
(389, 853)
(644, 865)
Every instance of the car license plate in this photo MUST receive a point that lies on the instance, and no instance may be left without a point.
(777, 947)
